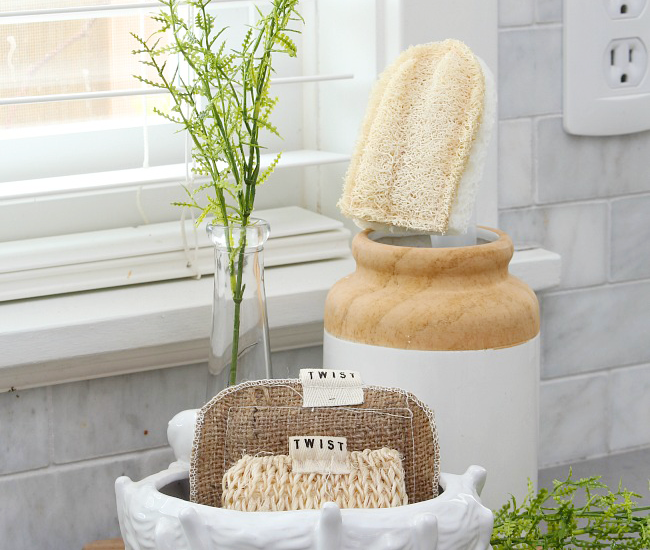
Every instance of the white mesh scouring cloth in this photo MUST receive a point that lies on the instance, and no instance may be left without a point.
(423, 143)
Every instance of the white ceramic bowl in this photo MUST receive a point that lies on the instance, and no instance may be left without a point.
(155, 514)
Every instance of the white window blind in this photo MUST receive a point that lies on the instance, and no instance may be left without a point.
(80, 147)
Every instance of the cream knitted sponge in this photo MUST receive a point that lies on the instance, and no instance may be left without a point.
(423, 142)
(268, 483)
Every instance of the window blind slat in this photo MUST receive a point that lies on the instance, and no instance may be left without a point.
(24, 16)
(157, 175)
(75, 10)
(152, 91)
(147, 253)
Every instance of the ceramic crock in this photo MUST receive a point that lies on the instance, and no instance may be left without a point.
(453, 326)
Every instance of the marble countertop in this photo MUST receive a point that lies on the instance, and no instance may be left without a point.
(633, 468)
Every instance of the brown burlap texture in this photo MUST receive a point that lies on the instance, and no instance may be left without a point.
(257, 418)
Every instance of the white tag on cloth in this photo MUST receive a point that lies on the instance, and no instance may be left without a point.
(319, 454)
(330, 388)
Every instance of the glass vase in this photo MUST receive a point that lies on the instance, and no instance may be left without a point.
(239, 339)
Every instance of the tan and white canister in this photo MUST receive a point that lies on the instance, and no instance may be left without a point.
(454, 327)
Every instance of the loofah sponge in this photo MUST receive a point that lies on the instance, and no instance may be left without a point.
(423, 142)
(268, 484)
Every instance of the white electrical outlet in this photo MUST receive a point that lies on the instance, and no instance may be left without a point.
(606, 67)
(620, 9)
(625, 63)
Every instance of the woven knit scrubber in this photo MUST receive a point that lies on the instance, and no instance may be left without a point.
(268, 484)
(423, 143)
(258, 418)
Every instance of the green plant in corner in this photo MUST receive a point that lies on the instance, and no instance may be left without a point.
(225, 107)
(552, 519)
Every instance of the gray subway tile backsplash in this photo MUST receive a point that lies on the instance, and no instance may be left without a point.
(24, 430)
(67, 507)
(573, 413)
(629, 408)
(573, 168)
(576, 231)
(594, 329)
(516, 12)
(530, 69)
(548, 11)
(122, 413)
(515, 163)
(630, 239)
(590, 202)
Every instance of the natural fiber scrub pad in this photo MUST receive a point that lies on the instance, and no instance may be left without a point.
(270, 484)
(423, 142)
(262, 419)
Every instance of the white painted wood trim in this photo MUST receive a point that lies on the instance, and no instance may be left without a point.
(173, 174)
(50, 14)
(540, 269)
(134, 92)
(107, 332)
(117, 331)
(156, 252)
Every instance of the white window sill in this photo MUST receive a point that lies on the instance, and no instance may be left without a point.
(152, 253)
(116, 331)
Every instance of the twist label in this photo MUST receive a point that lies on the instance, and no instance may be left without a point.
(330, 387)
(319, 454)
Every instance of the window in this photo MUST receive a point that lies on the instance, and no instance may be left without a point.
(82, 152)
(70, 108)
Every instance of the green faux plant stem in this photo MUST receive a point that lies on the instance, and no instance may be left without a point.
(551, 519)
(223, 107)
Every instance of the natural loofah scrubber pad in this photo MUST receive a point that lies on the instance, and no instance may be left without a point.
(269, 484)
(423, 142)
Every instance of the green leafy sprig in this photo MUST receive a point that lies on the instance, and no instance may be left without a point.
(552, 519)
(224, 105)
(226, 102)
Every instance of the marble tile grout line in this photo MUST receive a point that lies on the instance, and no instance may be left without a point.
(587, 374)
(607, 407)
(534, 171)
(610, 241)
(50, 426)
(625, 195)
(612, 454)
(95, 461)
(532, 26)
(577, 202)
(598, 286)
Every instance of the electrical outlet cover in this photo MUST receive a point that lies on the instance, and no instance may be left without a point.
(606, 69)
(620, 9)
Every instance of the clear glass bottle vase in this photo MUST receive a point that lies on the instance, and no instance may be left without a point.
(239, 339)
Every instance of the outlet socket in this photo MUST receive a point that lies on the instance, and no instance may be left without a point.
(626, 62)
(606, 76)
(621, 9)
